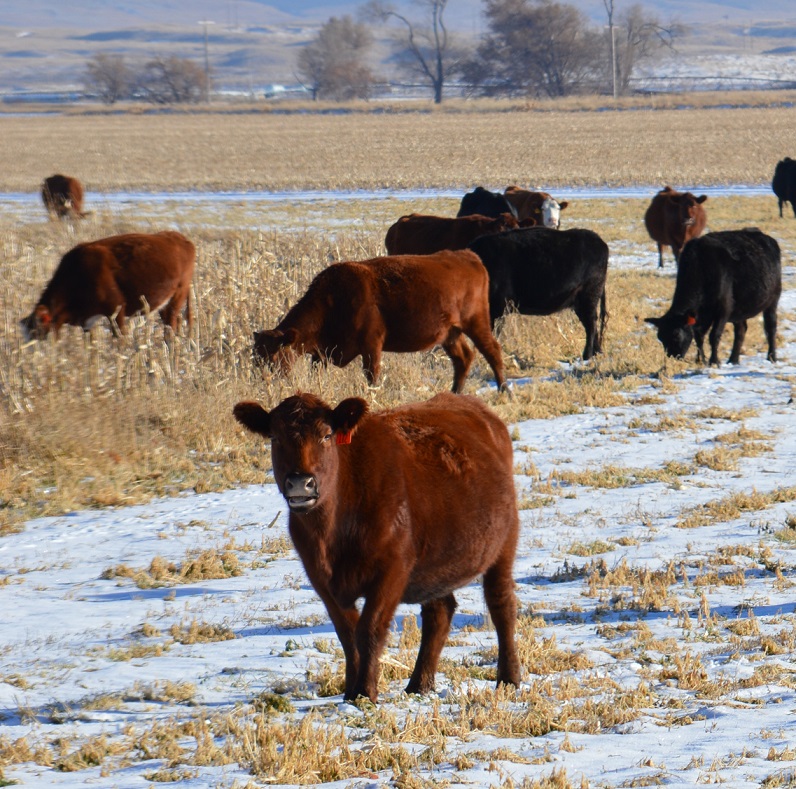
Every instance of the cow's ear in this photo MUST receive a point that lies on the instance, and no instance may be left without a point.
(253, 417)
(563, 205)
(347, 415)
(701, 198)
(653, 321)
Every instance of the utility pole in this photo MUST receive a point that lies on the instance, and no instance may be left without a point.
(206, 23)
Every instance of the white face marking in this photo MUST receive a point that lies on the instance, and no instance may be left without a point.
(551, 213)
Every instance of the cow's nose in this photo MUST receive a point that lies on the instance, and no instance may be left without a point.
(301, 491)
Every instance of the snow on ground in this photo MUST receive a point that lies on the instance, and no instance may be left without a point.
(69, 629)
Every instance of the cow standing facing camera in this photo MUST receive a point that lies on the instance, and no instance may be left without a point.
(399, 506)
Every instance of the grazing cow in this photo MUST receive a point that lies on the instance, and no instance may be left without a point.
(541, 207)
(399, 506)
(114, 277)
(63, 197)
(482, 201)
(541, 271)
(673, 218)
(402, 304)
(784, 183)
(421, 234)
(727, 276)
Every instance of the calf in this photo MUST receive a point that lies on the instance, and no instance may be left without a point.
(62, 196)
(399, 506)
(117, 277)
(482, 201)
(728, 276)
(402, 304)
(541, 271)
(673, 218)
(784, 183)
(542, 208)
(420, 234)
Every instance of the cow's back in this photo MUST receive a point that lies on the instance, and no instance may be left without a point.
(541, 270)
(412, 291)
(451, 458)
(738, 269)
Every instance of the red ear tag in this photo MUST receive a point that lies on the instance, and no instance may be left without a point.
(342, 437)
(690, 321)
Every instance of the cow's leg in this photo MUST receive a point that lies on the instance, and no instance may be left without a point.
(660, 255)
(461, 354)
(345, 623)
(780, 207)
(373, 626)
(793, 206)
(371, 362)
(436, 624)
(716, 330)
(770, 328)
(502, 604)
(480, 333)
(586, 310)
(737, 341)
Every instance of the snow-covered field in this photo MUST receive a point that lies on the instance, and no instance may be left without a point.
(646, 586)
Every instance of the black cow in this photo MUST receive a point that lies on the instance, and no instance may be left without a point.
(784, 183)
(541, 271)
(728, 276)
(482, 201)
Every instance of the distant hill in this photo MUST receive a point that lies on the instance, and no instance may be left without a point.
(96, 14)
(45, 45)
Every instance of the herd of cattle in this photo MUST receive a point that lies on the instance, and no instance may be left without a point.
(443, 279)
(411, 503)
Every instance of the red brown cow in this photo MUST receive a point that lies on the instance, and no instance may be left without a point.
(63, 197)
(673, 218)
(542, 208)
(398, 506)
(422, 234)
(400, 304)
(114, 277)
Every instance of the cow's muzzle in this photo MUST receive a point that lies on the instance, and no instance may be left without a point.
(301, 492)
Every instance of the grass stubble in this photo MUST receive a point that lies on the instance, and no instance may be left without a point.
(91, 421)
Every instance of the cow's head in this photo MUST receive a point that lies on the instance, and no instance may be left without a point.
(306, 436)
(687, 207)
(38, 324)
(675, 332)
(550, 212)
(276, 347)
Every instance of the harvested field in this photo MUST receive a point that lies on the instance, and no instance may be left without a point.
(158, 627)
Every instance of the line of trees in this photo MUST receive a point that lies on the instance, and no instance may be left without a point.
(530, 48)
(160, 80)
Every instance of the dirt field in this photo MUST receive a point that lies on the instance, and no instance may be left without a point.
(258, 150)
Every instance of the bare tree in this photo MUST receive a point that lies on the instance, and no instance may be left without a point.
(173, 80)
(639, 37)
(109, 77)
(536, 47)
(424, 47)
(332, 65)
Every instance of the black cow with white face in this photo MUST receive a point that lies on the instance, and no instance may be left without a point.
(724, 277)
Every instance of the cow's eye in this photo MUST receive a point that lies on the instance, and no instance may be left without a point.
(327, 438)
